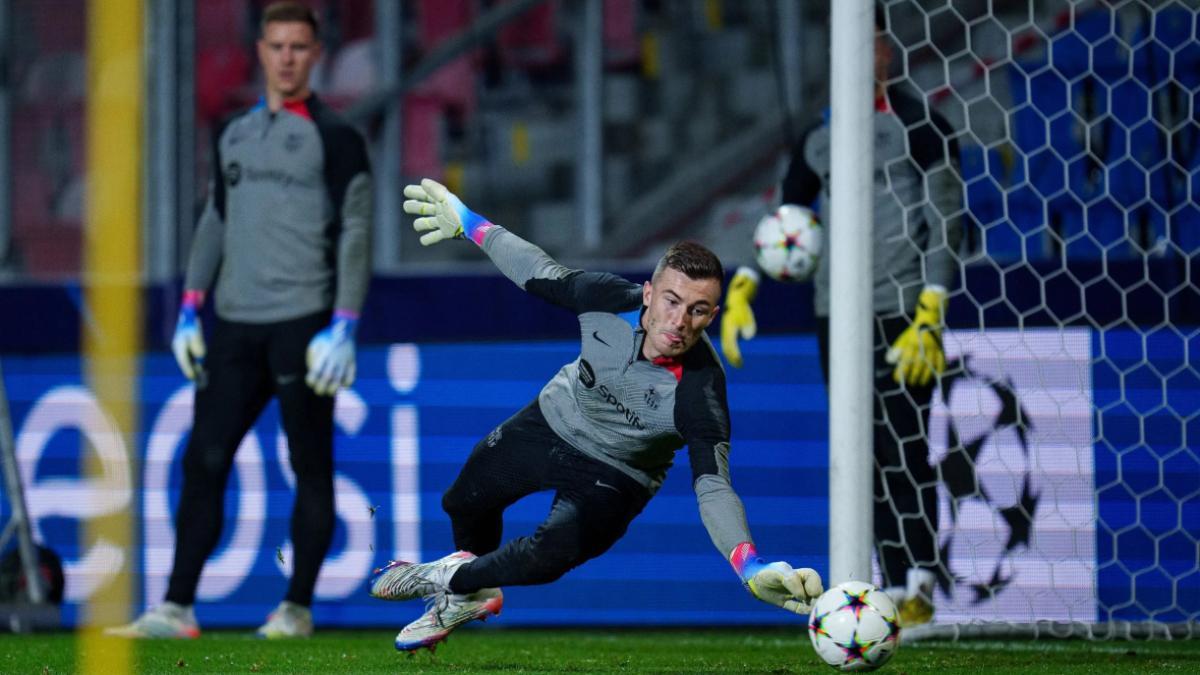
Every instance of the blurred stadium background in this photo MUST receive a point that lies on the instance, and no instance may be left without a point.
(602, 129)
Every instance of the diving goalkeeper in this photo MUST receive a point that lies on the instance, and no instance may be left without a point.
(917, 202)
(601, 434)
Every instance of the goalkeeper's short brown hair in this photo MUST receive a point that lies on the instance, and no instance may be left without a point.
(693, 259)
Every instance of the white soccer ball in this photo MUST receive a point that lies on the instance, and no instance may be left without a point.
(854, 626)
(787, 243)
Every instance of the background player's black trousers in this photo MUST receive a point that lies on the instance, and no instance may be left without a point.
(246, 365)
(593, 505)
(906, 504)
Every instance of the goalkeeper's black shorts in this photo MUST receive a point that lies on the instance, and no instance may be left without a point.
(593, 505)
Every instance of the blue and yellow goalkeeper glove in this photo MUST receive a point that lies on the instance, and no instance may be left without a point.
(188, 342)
(917, 353)
(737, 319)
(330, 355)
(443, 215)
(776, 583)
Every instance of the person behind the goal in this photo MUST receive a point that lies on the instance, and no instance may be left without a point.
(917, 199)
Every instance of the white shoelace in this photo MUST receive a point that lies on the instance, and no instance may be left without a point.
(435, 605)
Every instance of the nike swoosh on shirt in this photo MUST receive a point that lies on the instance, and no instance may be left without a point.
(606, 485)
(596, 334)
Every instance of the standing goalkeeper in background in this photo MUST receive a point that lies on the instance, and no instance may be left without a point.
(602, 433)
(917, 202)
(285, 237)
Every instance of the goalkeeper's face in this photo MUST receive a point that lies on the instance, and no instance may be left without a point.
(288, 50)
(678, 309)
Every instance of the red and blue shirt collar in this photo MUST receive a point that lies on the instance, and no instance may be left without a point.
(673, 364)
(298, 106)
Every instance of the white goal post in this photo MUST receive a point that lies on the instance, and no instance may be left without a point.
(850, 396)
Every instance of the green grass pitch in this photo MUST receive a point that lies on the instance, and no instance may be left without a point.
(595, 651)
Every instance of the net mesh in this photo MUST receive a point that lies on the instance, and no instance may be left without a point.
(1064, 433)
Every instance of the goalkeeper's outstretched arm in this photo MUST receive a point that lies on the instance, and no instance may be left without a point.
(444, 216)
(777, 582)
(702, 417)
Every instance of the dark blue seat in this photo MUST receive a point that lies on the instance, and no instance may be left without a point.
(1060, 174)
(1166, 49)
(1006, 236)
(983, 196)
(1157, 155)
(1185, 229)
(1091, 47)
(1042, 124)
(1107, 225)
(1088, 61)
(1024, 230)
(1185, 219)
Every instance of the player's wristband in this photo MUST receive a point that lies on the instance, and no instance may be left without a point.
(744, 559)
(192, 299)
(191, 302)
(345, 322)
(475, 227)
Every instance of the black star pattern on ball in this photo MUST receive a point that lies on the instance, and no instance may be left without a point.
(893, 625)
(853, 649)
(856, 602)
(817, 625)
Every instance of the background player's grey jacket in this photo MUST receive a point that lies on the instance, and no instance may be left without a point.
(286, 231)
(614, 405)
(917, 200)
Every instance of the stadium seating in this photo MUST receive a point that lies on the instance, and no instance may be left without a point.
(1105, 160)
(1106, 181)
(533, 41)
(1166, 63)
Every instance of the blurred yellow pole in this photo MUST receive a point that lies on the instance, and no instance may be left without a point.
(111, 276)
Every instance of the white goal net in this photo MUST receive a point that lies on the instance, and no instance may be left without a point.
(1066, 431)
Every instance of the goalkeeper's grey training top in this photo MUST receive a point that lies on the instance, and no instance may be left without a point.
(917, 201)
(286, 231)
(614, 405)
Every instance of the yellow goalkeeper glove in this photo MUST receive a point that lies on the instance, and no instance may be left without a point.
(917, 353)
(738, 319)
